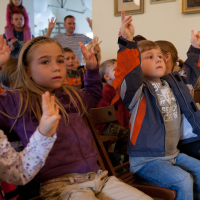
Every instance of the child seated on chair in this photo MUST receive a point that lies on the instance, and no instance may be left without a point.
(120, 129)
(162, 112)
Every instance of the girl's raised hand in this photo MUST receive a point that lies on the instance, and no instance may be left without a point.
(50, 117)
(4, 51)
(195, 39)
(90, 59)
(127, 29)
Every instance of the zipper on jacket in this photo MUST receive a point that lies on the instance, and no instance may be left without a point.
(159, 110)
(184, 100)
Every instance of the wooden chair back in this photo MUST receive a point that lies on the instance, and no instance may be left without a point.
(105, 115)
(197, 97)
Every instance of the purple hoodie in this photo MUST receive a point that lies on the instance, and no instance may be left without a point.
(73, 150)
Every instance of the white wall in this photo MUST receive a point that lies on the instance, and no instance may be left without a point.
(158, 22)
(28, 4)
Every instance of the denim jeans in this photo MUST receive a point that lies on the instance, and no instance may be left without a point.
(184, 176)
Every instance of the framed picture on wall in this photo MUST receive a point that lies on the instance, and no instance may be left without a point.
(190, 6)
(160, 1)
(131, 7)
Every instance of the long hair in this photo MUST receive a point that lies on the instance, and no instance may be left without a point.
(12, 6)
(168, 47)
(31, 92)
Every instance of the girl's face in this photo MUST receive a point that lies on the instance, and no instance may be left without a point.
(47, 67)
(16, 2)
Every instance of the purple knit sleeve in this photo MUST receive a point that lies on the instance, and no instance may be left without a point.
(26, 18)
(8, 16)
(93, 87)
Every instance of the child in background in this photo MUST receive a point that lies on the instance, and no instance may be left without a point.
(120, 129)
(71, 169)
(74, 77)
(162, 112)
(16, 5)
(6, 74)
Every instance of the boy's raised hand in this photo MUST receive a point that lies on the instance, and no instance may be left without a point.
(127, 29)
(4, 51)
(195, 39)
(50, 117)
(52, 22)
(90, 59)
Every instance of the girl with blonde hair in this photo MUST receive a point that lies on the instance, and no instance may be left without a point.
(71, 170)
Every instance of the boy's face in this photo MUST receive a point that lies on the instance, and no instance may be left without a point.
(152, 64)
(69, 60)
(111, 71)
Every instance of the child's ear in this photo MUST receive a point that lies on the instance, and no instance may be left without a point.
(106, 77)
(168, 57)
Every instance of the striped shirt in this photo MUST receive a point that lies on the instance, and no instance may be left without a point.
(72, 42)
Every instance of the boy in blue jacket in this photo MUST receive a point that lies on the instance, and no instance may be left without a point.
(163, 113)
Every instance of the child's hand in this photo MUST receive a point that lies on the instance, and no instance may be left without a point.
(52, 22)
(195, 39)
(96, 44)
(127, 29)
(4, 51)
(50, 117)
(90, 59)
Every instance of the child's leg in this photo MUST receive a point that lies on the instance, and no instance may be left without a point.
(117, 190)
(9, 32)
(191, 165)
(27, 35)
(164, 174)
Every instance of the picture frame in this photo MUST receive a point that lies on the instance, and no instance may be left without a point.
(160, 1)
(131, 7)
(190, 6)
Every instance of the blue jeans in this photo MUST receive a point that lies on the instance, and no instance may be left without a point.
(184, 176)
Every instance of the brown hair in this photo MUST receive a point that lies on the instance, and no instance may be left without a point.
(69, 16)
(168, 47)
(12, 6)
(67, 50)
(139, 38)
(146, 45)
(6, 74)
(31, 91)
(104, 66)
(17, 12)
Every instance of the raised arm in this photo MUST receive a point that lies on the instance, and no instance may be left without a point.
(20, 168)
(51, 26)
(190, 71)
(92, 80)
(128, 81)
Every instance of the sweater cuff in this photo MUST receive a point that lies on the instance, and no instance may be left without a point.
(193, 49)
(126, 43)
(92, 73)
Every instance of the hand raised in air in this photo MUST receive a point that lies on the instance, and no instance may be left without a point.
(90, 59)
(195, 39)
(127, 29)
(4, 51)
(50, 116)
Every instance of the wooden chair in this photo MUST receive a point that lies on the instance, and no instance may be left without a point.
(105, 115)
(197, 97)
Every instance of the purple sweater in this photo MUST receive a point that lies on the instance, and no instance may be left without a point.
(73, 150)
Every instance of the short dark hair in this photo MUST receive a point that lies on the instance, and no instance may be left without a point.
(69, 16)
(16, 12)
(67, 50)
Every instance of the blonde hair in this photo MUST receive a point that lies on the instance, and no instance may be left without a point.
(168, 47)
(31, 91)
(88, 47)
(104, 67)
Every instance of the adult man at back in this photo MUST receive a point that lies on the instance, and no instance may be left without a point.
(70, 39)
(17, 43)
